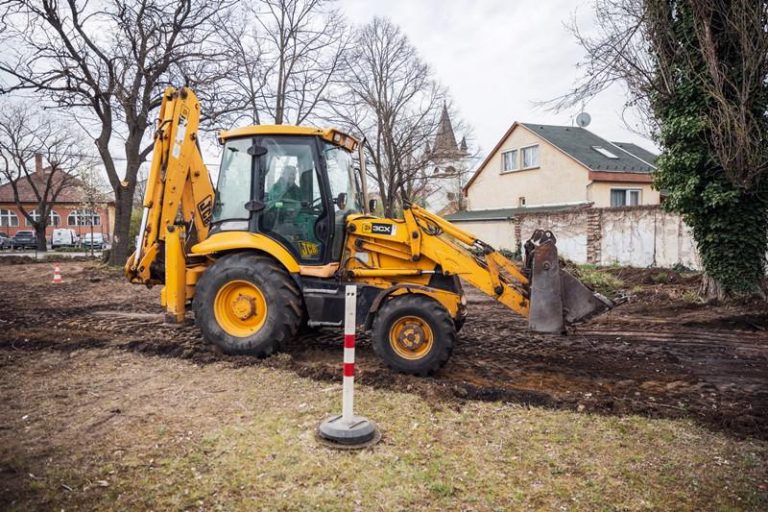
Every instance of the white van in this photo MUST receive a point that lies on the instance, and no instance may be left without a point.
(64, 238)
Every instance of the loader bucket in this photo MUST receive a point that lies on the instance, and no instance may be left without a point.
(557, 298)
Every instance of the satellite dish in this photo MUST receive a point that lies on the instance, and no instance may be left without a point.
(583, 119)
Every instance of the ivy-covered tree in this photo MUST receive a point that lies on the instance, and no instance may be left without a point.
(698, 70)
(725, 204)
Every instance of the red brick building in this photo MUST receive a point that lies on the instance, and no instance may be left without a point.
(69, 211)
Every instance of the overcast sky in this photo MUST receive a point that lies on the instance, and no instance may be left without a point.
(499, 57)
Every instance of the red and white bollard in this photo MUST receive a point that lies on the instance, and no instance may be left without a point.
(349, 431)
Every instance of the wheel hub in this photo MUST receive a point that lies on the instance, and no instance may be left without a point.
(412, 336)
(240, 308)
(244, 307)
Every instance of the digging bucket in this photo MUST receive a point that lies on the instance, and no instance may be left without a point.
(557, 298)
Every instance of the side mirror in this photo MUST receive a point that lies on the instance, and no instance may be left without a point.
(341, 200)
(372, 205)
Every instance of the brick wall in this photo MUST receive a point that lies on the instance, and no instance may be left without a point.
(64, 212)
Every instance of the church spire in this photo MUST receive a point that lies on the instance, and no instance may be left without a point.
(445, 140)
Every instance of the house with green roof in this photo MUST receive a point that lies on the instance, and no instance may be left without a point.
(542, 166)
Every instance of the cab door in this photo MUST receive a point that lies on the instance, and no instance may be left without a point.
(294, 208)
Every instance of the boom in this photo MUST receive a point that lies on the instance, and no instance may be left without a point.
(179, 189)
(424, 243)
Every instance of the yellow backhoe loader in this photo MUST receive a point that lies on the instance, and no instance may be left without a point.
(289, 225)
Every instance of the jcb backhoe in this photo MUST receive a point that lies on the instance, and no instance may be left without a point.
(290, 224)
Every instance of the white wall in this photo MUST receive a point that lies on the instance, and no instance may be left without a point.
(645, 238)
(502, 233)
(569, 229)
(637, 237)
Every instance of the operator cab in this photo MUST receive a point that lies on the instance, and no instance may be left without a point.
(295, 185)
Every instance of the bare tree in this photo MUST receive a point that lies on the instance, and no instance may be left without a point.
(392, 97)
(288, 55)
(736, 71)
(699, 69)
(27, 142)
(617, 52)
(108, 62)
(247, 81)
(91, 191)
(634, 44)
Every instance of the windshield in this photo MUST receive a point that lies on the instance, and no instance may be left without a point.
(234, 186)
(341, 177)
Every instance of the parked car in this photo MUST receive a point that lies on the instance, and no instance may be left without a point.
(5, 242)
(64, 238)
(96, 241)
(24, 240)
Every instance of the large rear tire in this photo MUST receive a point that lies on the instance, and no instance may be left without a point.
(413, 334)
(247, 303)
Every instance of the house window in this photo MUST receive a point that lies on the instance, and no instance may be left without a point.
(509, 161)
(53, 218)
(530, 157)
(8, 218)
(521, 201)
(84, 218)
(625, 197)
(604, 152)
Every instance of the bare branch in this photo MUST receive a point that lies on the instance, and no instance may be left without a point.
(110, 61)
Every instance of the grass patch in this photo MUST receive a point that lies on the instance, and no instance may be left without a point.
(219, 438)
(599, 280)
(692, 297)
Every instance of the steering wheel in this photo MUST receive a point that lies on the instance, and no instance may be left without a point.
(317, 204)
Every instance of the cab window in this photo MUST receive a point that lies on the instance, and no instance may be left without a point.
(294, 211)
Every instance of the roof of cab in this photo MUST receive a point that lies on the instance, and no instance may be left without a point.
(281, 129)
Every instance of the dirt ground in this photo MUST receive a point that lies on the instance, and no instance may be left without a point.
(657, 355)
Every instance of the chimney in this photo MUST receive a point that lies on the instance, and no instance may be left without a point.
(38, 162)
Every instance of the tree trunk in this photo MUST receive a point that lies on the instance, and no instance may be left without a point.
(42, 243)
(711, 290)
(120, 242)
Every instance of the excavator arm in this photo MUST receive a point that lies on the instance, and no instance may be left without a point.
(424, 243)
(178, 200)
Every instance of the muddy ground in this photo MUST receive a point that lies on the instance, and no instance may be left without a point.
(661, 354)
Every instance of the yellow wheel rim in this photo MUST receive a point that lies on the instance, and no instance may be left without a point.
(240, 308)
(411, 337)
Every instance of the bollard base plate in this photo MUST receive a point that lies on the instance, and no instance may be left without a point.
(357, 434)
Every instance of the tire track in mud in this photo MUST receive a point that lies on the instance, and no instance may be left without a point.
(619, 364)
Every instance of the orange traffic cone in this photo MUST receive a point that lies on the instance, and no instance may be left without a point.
(56, 275)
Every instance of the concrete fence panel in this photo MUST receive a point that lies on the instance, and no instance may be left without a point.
(570, 229)
(643, 236)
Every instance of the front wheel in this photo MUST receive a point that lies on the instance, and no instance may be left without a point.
(413, 334)
(246, 303)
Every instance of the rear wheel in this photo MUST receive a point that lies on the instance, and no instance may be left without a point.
(413, 334)
(247, 304)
